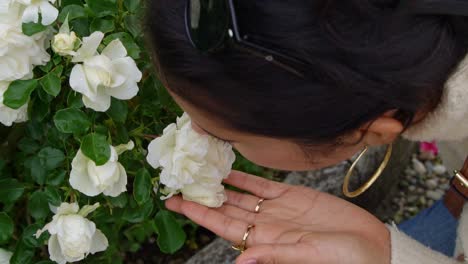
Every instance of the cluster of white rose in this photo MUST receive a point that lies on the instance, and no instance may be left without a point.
(19, 54)
(192, 164)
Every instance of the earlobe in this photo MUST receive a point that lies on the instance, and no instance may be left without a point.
(384, 130)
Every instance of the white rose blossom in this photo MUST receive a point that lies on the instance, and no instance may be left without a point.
(102, 76)
(65, 41)
(5, 256)
(32, 8)
(73, 237)
(9, 116)
(19, 53)
(92, 180)
(192, 164)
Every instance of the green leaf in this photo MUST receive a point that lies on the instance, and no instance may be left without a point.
(103, 7)
(30, 29)
(72, 120)
(46, 68)
(29, 239)
(23, 254)
(11, 190)
(142, 186)
(132, 5)
(171, 236)
(45, 97)
(18, 93)
(53, 195)
(127, 40)
(118, 110)
(56, 178)
(73, 12)
(52, 84)
(74, 100)
(80, 26)
(133, 25)
(71, 2)
(28, 145)
(120, 201)
(38, 205)
(95, 147)
(137, 214)
(38, 172)
(38, 110)
(6, 227)
(51, 158)
(102, 25)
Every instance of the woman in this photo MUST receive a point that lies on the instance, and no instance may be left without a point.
(301, 85)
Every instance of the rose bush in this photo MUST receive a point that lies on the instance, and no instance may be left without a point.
(79, 105)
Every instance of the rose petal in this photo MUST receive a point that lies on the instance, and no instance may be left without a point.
(89, 47)
(127, 67)
(115, 50)
(99, 242)
(79, 177)
(55, 251)
(79, 82)
(124, 92)
(48, 13)
(100, 103)
(160, 146)
(31, 14)
(120, 186)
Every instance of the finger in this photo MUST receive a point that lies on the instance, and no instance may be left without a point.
(237, 213)
(174, 203)
(227, 227)
(276, 253)
(256, 185)
(244, 201)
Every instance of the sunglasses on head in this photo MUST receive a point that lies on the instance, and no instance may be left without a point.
(211, 24)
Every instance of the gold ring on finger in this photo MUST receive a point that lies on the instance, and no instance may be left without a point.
(259, 204)
(243, 245)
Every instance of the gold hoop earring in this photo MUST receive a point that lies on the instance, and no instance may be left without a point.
(368, 184)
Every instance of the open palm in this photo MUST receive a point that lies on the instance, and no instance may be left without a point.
(294, 224)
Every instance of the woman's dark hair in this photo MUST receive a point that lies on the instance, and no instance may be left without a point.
(365, 57)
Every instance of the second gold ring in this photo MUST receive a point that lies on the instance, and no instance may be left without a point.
(259, 205)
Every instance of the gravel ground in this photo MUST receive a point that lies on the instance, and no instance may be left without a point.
(425, 182)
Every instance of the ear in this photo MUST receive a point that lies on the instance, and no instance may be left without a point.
(384, 130)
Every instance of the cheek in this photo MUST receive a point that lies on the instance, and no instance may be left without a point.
(289, 158)
(283, 159)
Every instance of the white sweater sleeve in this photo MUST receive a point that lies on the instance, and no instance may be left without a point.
(406, 250)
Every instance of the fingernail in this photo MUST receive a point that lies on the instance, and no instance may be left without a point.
(250, 261)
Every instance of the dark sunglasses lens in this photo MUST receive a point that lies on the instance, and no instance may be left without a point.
(207, 23)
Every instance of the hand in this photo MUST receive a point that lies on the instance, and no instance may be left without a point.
(294, 225)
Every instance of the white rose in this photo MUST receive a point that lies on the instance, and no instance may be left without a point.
(5, 256)
(100, 77)
(64, 44)
(9, 116)
(92, 180)
(19, 53)
(73, 237)
(192, 164)
(33, 8)
(65, 41)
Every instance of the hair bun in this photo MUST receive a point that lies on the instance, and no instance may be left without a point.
(435, 7)
(457, 10)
